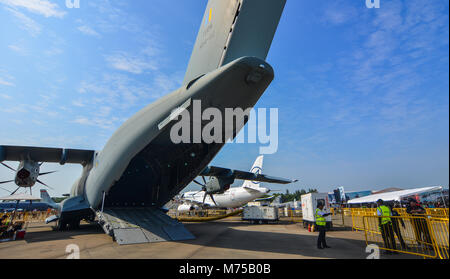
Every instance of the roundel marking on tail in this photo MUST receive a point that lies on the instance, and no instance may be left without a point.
(256, 170)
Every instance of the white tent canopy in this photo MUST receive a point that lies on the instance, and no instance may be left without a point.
(19, 197)
(394, 196)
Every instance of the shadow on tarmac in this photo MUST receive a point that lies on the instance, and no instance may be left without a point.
(45, 235)
(274, 242)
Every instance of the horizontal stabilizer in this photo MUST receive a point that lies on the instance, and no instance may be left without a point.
(45, 154)
(243, 175)
(264, 199)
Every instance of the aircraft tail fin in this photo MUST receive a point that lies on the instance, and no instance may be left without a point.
(45, 197)
(256, 168)
(232, 29)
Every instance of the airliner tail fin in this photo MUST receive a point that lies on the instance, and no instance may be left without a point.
(256, 168)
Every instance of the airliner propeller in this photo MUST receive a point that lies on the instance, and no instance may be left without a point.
(26, 175)
(215, 185)
(205, 190)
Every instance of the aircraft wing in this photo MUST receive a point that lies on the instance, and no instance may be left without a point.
(45, 154)
(243, 175)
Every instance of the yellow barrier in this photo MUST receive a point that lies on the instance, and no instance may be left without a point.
(197, 213)
(358, 213)
(439, 228)
(294, 216)
(357, 217)
(421, 236)
(437, 212)
(30, 216)
(209, 218)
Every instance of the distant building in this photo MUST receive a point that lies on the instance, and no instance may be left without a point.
(350, 195)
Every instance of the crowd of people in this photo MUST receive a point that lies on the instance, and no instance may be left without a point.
(390, 221)
(403, 204)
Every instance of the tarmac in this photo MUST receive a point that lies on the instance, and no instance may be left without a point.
(224, 239)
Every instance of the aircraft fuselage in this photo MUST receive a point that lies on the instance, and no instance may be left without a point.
(141, 166)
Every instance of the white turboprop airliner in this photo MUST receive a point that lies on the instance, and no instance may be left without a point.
(232, 198)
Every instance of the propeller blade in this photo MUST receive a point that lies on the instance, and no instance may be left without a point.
(196, 182)
(204, 198)
(204, 180)
(213, 199)
(8, 167)
(198, 192)
(3, 182)
(38, 181)
(44, 173)
(15, 191)
(5, 190)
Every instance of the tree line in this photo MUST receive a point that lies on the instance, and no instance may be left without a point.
(288, 197)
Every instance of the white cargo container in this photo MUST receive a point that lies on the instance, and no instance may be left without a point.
(260, 214)
(309, 205)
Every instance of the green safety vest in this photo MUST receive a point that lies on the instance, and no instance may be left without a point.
(385, 211)
(320, 220)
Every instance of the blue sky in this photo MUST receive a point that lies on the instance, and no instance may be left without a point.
(362, 93)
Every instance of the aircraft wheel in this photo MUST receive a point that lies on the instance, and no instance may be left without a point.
(61, 225)
(75, 224)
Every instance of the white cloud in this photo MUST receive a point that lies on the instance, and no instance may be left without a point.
(53, 51)
(5, 96)
(88, 31)
(82, 121)
(111, 99)
(5, 78)
(4, 82)
(78, 103)
(131, 63)
(27, 23)
(19, 49)
(106, 123)
(42, 7)
(338, 13)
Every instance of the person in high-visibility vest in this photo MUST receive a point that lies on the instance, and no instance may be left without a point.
(387, 231)
(321, 225)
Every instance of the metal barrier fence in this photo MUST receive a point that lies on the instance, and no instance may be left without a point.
(437, 212)
(424, 236)
(285, 214)
(433, 212)
(292, 215)
(357, 214)
(197, 213)
(357, 217)
(439, 228)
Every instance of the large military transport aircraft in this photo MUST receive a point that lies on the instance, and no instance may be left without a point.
(141, 168)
